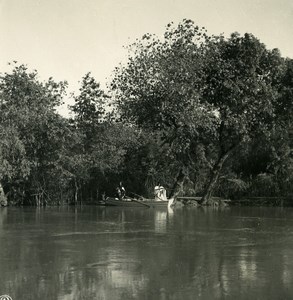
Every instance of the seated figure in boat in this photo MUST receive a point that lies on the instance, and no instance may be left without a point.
(160, 193)
(120, 190)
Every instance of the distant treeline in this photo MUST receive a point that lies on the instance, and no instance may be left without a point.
(202, 115)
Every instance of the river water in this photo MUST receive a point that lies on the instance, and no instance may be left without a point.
(113, 253)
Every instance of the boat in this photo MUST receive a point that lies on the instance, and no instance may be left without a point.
(130, 202)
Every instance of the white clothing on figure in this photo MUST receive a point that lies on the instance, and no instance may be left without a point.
(160, 193)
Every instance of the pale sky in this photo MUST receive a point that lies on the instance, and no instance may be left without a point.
(67, 38)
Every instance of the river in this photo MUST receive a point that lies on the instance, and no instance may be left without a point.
(112, 253)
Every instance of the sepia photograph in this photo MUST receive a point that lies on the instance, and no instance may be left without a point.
(146, 149)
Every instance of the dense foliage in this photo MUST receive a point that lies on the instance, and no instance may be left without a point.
(203, 115)
(205, 96)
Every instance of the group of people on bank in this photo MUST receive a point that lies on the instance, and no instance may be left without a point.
(160, 193)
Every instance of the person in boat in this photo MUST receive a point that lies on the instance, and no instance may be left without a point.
(120, 190)
(160, 193)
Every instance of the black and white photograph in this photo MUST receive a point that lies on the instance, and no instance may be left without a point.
(146, 150)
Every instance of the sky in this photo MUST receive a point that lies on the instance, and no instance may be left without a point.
(65, 39)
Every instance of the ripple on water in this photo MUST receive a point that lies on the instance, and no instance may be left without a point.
(106, 232)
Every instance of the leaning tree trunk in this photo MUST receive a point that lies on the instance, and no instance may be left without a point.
(214, 176)
(179, 183)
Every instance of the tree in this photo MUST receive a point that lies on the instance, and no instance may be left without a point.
(89, 107)
(199, 93)
(241, 80)
(28, 124)
(101, 142)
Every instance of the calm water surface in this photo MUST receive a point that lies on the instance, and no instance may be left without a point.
(113, 253)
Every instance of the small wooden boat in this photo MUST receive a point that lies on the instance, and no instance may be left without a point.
(129, 202)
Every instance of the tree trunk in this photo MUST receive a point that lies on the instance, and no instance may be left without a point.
(178, 185)
(214, 176)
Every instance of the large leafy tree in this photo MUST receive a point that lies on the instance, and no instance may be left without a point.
(280, 140)
(203, 95)
(101, 144)
(29, 128)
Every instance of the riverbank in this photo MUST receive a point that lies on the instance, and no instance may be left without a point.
(247, 201)
(217, 201)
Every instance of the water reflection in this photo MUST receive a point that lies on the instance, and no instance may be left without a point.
(113, 253)
(247, 264)
(160, 221)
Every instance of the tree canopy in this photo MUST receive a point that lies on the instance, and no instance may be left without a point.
(199, 91)
(199, 113)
